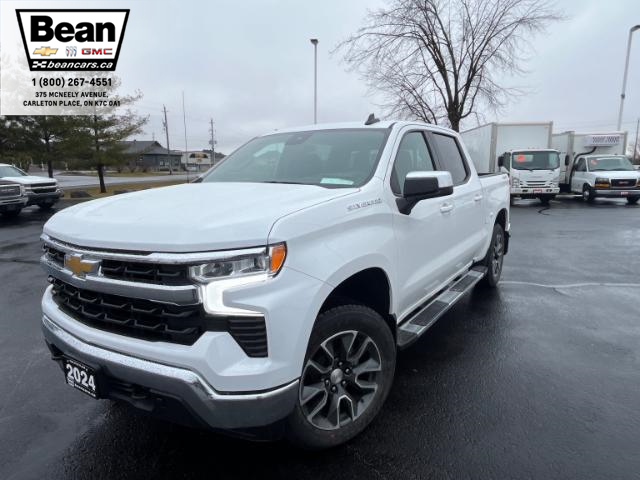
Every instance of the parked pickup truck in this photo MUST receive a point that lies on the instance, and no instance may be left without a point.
(605, 176)
(271, 297)
(40, 191)
(12, 198)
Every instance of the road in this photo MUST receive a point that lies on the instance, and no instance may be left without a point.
(74, 181)
(539, 379)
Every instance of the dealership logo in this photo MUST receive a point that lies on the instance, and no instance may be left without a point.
(97, 35)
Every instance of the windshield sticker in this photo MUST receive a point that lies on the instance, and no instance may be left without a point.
(520, 158)
(336, 181)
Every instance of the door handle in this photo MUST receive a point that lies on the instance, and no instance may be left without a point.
(477, 198)
(446, 207)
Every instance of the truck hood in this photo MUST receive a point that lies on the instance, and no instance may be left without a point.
(30, 180)
(186, 218)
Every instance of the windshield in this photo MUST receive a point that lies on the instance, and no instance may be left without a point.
(328, 158)
(8, 171)
(535, 160)
(609, 163)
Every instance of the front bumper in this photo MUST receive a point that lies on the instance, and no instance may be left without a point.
(13, 203)
(44, 198)
(535, 190)
(176, 393)
(632, 192)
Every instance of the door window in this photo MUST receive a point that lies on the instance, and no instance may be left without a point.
(451, 158)
(413, 155)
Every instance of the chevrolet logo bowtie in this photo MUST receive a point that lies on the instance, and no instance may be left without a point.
(45, 51)
(80, 267)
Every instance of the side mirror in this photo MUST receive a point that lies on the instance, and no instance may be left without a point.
(566, 160)
(501, 161)
(422, 185)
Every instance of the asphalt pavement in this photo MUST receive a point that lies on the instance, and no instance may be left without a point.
(538, 379)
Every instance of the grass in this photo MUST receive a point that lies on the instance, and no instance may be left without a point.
(95, 190)
(126, 174)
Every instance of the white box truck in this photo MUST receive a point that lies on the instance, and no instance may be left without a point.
(524, 149)
(573, 145)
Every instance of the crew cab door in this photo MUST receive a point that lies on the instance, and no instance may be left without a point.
(422, 240)
(464, 222)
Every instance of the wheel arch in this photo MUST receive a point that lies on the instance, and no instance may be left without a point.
(369, 286)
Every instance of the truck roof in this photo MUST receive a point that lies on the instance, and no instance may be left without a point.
(352, 125)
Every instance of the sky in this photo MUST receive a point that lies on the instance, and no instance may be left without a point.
(249, 66)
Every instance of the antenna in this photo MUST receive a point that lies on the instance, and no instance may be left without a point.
(371, 119)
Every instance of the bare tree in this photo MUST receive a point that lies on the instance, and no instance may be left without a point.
(439, 60)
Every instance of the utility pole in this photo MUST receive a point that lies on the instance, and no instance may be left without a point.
(314, 41)
(624, 77)
(635, 150)
(166, 131)
(186, 145)
(213, 143)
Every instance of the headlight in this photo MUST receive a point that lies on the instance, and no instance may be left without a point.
(267, 261)
(515, 182)
(602, 182)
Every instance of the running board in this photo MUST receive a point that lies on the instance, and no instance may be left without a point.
(420, 322)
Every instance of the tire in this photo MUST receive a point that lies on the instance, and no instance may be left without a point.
(587, 194)
(45, 207)
(494, 258)
(632, 200)
(544, 200)
(360, 341)
(12, 213)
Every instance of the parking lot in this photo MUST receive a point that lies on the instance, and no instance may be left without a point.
(540, 379)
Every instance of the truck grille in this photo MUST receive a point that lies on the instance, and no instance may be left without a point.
(7, 191)
(131, 317)
(44, 188)
(145, 272)
(154, 273)
(535, 183)
(623, 183)
(154, 321)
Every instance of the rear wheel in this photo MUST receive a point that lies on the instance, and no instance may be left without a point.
(632, 200)
(494, 258)
(347, 374)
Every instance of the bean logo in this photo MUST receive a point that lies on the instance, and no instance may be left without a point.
(72, 40)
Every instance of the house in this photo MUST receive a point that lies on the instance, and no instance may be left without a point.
(150, 154)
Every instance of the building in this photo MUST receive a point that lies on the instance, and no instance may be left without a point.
(151, 155)
(196, 160)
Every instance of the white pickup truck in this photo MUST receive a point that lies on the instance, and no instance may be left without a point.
(40, 191)
(271, 297)
(610, 176)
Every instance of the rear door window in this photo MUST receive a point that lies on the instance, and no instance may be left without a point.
(450, 157)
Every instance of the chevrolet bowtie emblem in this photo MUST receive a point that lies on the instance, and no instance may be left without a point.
(78, 266)
(45, 51)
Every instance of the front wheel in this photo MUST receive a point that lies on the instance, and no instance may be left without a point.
(348, 371)
(45, 207)
(12, 213)
(494, 258)
(632, 200)
(587, 194)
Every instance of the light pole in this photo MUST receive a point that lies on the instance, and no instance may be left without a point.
(624, 79)
(315, 79)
